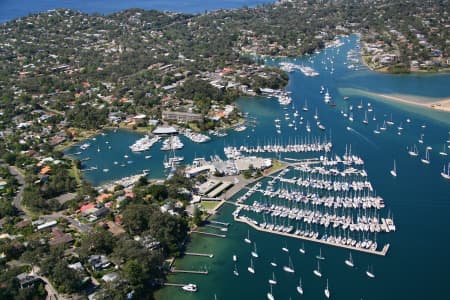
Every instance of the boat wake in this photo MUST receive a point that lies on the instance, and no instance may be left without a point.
(363, 137)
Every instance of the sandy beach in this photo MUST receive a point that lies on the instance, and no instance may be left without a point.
(441, 104)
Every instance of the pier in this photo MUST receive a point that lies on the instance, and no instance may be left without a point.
(210, 255)
(173, 270)
(217, 227)
(209, 233)
(382, 252)
(220, 223)
(175, 284)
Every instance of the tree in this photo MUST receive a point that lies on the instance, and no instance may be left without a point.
(136, 272)
(197, 216)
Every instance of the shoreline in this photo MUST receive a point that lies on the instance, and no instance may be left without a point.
(439, 105)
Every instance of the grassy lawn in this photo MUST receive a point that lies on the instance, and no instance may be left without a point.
(209, 205)
(276, 166)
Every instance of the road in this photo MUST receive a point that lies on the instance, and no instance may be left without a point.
(52, 294)
(83, 228)
(18, 198)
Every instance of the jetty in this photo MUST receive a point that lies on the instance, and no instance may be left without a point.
(174, 284)
(209, 233)
(220, 223)
(217, 227)
(173, 270)
(210, 255)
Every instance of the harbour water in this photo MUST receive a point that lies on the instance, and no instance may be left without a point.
(11, 9)
(417, 264)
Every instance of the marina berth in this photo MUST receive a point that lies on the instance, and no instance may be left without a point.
(172, 143)
(145, 143)
(329, 201)
(196, 137)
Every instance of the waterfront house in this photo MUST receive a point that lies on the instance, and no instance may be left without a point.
(99, 262)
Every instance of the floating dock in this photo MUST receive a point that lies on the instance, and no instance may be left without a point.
(382, 252)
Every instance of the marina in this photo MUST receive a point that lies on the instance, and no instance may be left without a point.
(416, 212)
(331, 214)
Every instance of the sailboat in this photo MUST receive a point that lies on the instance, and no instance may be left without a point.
(327, 291)
(317, 271)
(365, 121)
(299, 287)
(247, 239)
(319, 256)
(254, 253)
(273, 264)
(305, 107)
(235, 258)
(285, 248)
(446, 175)
(383, 127)
(290, 267)
(327, 97)
(443, 152)
(269, 294)
(421, 139)
(414, 151)
(273, 280)
(426, 160)
(377, 131)
(235, 271)
(251, 269)
(302, 249)
(369, 272)
(360, 105)
(349, 261)
(394, 170)
(390, 122)
(350, 118)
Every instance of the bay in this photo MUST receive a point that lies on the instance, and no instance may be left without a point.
(417, 264)
(11, 9)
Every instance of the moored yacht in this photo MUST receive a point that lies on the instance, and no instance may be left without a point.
(302, 249)
(270, 295)
(444, 174)
(290, 267)
(370, 273)
(317, 271)
(327, 291)
(235, 271)
(247, 239)
(251, 269)
(299, 287)
(413, 151)
(189, 287)
(273, 280)
(254, 253)
(426, 159)
(319, 256)
(394, 170)
(349, 261)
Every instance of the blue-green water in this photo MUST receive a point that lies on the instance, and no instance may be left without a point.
(417, 265)
(11, 9)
